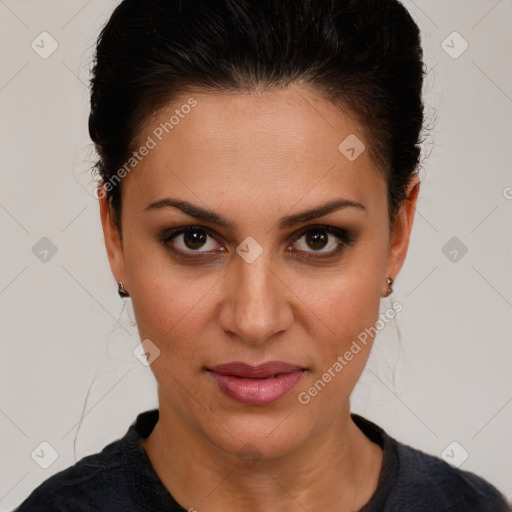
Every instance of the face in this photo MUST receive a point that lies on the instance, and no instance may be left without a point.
(224, 264)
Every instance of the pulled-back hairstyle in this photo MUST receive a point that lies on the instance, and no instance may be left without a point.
(363, 55)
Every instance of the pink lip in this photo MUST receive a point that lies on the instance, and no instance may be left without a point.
(256, 385)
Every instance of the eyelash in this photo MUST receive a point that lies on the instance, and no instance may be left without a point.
(345, 239)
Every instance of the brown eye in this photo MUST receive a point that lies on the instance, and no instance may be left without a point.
(194, 239)
(191, 240)
(322, 240)
(317, 240)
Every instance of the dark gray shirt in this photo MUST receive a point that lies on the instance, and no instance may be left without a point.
(121, 478)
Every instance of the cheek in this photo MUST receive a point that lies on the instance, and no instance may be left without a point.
(346, 299)
(340, 352)
(341, 314)
(341, 305)
(169, 309)
(165, 296)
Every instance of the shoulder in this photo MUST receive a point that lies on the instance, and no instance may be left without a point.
(414, 481)
(88, 485)
(424, 479)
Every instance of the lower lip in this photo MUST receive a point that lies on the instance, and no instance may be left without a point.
(257, 391)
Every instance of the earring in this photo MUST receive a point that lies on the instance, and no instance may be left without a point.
(390, 287)
(120, 289)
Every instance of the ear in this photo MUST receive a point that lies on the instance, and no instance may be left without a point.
(113, 242)
(402, 226)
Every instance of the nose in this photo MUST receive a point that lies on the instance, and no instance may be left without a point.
(256, 305)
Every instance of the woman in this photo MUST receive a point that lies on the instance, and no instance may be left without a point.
(258, 164)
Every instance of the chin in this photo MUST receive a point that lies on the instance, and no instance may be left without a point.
(263, 433)
(252, 444)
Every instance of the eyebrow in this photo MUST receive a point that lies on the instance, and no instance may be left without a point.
(207, 215)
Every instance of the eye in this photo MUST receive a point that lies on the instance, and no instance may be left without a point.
(191, 239)
(316, 241)
(325, 241)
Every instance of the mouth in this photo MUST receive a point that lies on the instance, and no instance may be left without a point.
(256, 385)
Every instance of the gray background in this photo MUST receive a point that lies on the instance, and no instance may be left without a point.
(440, 373)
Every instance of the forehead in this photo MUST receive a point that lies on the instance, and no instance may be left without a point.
(281, 143)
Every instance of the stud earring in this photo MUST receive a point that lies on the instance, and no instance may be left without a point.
(390, 287)
(120, 289)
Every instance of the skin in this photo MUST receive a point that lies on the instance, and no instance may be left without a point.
(254, 158)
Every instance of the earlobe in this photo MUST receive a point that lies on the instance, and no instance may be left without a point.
(111, 235)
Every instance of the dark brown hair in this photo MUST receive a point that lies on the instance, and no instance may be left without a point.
(364, 55)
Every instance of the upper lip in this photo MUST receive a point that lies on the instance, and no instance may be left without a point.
(261, 371)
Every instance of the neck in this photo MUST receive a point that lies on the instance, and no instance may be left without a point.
(340, 466)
